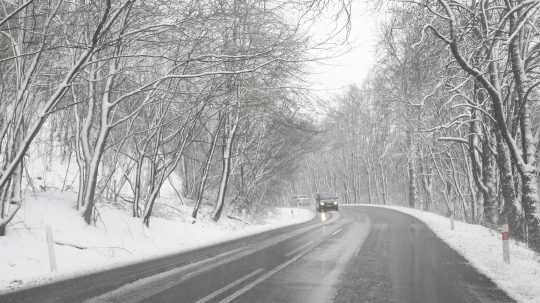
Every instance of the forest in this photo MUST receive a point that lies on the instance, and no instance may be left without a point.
(132, 92)
(447, 120)
(213, 91)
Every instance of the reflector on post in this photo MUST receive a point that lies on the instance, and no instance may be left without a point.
(505, 232)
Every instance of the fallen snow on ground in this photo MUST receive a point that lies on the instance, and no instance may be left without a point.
(116, 239)
(482, 247)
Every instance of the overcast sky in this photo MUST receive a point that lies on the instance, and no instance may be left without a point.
(330, 76)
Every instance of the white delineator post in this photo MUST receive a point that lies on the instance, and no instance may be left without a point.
(50, 248)
(505, 232)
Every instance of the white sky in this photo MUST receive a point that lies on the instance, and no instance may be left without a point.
(331, 76)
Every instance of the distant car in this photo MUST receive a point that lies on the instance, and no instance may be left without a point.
(326, 201)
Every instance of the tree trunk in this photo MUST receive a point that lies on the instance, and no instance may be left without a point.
(185, 180)
(206, 169)
(470, 184)
(227, 151)
(511, 208)
(384, 183)
(93, 173)
(530, 199)
(369, 185)
(427, 171)
(162, 174)
(413, 191)
(489, 173)
(135, 211)
(10, 196)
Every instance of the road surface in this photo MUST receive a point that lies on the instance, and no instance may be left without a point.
(360, 254)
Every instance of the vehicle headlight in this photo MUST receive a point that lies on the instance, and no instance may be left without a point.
(321, 203)
(335, 202)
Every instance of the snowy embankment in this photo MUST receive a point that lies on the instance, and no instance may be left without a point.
(116, 239)
(482, 247)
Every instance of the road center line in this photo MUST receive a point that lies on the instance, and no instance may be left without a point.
(229, 286)
(337, 232)
(146, 287)
(127, 294)
(298, 249)
(362, 237)
(264, 277)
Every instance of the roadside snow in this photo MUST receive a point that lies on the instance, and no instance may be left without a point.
(117, 239)
(482, 247)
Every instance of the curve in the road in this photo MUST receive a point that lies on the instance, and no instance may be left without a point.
(365, 254)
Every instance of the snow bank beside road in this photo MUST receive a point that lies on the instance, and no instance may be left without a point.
(117, 239)
(482, 247)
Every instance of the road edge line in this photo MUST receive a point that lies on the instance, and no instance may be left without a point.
(108, 296)
(227, 287)
(264, 277)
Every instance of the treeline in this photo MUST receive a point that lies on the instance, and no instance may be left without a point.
(448, 119)
(139, 90)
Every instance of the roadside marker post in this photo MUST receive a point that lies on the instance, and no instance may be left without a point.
(505, 232)
(50, 248)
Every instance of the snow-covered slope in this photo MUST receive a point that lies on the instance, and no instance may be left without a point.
(116, 239)
(482, 247)
(49, 166)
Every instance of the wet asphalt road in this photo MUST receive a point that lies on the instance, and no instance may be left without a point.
(362, 254)
(403, 261)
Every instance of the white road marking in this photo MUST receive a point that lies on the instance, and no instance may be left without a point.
(363, 235)
(298, 249)
(146, 287)
(263, 278)
(229, 286)
(127, 292)
(337, 232)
